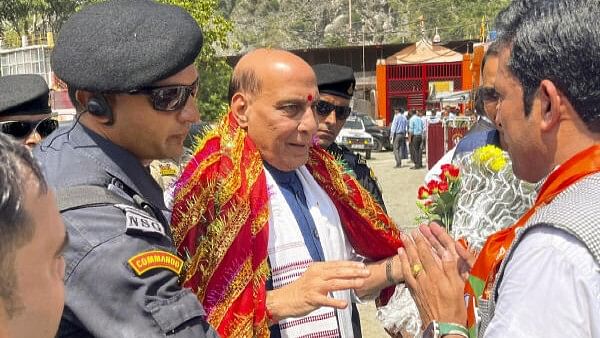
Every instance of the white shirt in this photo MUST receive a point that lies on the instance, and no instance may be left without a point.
(550, 288)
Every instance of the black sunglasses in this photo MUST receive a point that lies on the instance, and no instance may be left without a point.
(22, 129)
(168, 98)
(488, 94)
(324, 108)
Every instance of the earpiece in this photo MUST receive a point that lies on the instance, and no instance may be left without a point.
(98, 106)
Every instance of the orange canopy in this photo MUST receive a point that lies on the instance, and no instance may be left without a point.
(424, 52)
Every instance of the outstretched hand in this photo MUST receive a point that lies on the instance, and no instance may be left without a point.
(313, 289)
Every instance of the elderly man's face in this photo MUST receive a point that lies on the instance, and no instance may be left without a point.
(281, 119)
(521, 134)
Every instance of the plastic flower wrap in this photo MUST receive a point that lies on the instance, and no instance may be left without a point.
(490, 196)
(436, 199)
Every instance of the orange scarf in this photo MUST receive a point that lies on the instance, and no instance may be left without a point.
(220, 226)
(487, 265)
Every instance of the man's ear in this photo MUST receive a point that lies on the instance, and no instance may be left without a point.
(239, 108)
(83, 97)
(550, 101)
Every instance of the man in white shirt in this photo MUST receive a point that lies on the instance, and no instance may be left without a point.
(540, 277)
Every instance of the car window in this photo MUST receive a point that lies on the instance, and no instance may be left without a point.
(353, 124)
(368, 121)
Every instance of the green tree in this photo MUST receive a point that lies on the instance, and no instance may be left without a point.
(34, 18)
(455, 19)
(214, 72)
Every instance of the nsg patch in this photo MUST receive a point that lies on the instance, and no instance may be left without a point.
(139, 222)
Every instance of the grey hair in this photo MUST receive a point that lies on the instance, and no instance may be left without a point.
(244, 80)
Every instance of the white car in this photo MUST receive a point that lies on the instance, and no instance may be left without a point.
(354, 136)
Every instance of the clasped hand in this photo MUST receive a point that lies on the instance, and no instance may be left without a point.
(435, 269)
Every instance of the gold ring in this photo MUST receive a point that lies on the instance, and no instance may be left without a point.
(417, 269)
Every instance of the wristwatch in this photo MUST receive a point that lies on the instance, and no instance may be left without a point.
(437, 329)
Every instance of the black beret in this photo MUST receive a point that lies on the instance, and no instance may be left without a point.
(23, 95)
(335, 79)
(121, 45)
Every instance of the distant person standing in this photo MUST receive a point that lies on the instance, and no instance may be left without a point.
(415, 138)
(398, 136)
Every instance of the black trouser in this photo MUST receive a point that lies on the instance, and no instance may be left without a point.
(399, 147)
(415, 150)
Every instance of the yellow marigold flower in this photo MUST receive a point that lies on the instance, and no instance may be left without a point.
(497, 164)
(490, 156)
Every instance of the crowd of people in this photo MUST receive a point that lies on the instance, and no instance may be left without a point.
(273, 229)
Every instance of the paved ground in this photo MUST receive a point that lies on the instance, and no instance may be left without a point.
(399, 187)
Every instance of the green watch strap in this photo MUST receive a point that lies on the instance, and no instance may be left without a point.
(445, 329)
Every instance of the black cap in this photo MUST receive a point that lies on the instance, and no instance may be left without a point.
(23, 95)
(121, 45)
(335, 79)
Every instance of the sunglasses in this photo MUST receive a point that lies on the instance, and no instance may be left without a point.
(168, 98)
(324, 108)
(488, 94)
(22, 129)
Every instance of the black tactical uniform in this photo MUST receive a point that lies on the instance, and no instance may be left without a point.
(120, 214)
(361, 170)
(122, 270)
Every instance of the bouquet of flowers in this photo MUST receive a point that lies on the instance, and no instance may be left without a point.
(474, 198)
(491, 197)
(437, 197)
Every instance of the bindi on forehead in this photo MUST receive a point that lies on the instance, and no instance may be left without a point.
(310, 98)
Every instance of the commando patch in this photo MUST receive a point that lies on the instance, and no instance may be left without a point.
(156, 259)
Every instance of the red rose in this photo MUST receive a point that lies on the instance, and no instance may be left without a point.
(423, 193)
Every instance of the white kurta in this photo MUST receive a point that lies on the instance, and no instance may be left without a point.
(550, 288)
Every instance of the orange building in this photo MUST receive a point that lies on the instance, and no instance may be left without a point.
(414, 76)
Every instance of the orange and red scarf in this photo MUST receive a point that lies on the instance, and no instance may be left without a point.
(220, 226)
(487, 265)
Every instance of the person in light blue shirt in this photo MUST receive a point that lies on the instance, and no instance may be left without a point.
(415, 138)
(398, 137)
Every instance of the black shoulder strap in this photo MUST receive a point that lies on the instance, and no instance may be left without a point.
(81, 196)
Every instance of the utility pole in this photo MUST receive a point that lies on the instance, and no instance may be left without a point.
(350, 21)
(363, 57)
